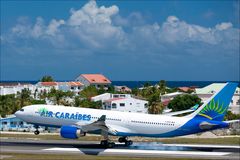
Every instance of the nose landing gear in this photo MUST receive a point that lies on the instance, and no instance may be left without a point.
(36, 132)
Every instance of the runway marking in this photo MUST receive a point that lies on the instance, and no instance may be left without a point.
(63, 149)
(207, 146)
(198, 153)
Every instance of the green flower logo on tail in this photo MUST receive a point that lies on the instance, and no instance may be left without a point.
(213, 110)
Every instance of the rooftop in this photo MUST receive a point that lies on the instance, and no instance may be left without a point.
(75, 84)
(173, 94)
(114, 99)
(49, 83)
(96, 78)
(213, 88)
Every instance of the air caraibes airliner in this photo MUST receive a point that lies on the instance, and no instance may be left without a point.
(76, 122)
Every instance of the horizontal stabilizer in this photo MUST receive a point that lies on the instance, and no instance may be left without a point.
(232, 121)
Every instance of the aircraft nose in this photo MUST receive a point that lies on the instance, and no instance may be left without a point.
(17, 113)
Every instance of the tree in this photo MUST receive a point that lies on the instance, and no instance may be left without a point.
(230, 116)
(146, 84)
(162, 86)
(58, 95)
(183, 102)
(77, 101)
(86, 103)
(7, 104)
(89, 92)
(24, 96)
(47, 79)
(155, 106)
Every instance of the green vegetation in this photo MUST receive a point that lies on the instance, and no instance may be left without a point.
(47, 79)
(231, 116)
(59, 97)
(9, 104)
(89, 92)
(152, 95)
(183, 102)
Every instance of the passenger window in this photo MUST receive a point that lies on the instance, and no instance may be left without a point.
(122, 104)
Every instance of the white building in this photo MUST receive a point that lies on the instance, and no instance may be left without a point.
(170, 96)
(46, 86)
(75, 87)
(14, 88)
(126, 105)
(206, 92)
(107, 96)
(97, 80)
(122, 102)
(124, 89)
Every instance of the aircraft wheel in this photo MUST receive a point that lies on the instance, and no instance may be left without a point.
(121, 139)
(36, 132)
(104, 143)
(128, 143)
(111, 145)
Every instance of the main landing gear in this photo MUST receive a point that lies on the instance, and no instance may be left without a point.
(36, 132)
(125, 140)
(107, 144)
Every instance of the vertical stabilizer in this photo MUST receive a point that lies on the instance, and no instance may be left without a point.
(216, 107)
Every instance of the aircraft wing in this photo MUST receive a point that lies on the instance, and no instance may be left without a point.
(181, 112)
(100, 124)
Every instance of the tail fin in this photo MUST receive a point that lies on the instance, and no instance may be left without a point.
(216, 107)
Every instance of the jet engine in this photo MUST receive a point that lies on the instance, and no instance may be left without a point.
(71, 132)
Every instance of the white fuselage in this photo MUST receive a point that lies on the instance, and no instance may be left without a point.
(129, 123)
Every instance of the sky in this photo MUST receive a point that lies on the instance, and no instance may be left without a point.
(124, 40)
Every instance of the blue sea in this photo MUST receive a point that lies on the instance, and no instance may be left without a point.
(137, 84)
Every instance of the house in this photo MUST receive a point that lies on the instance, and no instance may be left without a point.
(206, 92)
(106, 96)
(170, 96)
(45, 87)
(123, 89)
(14, 88)
(122, 102)
(75, 87)
(186, 89)
(126, 105)
(12, 123)
(97, 80)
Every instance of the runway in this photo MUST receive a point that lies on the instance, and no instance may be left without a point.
(138, 149)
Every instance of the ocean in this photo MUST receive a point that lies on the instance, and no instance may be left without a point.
(137, 84)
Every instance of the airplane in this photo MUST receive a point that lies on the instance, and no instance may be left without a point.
(75, 122)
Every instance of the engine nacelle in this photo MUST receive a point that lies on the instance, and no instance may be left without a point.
(71, 132)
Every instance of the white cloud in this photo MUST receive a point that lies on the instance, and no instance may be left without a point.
(92, 27)
(224, 26)
(38, 28)
(92, 14)
(53, 26)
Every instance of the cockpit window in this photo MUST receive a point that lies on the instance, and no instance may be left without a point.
(22, 110)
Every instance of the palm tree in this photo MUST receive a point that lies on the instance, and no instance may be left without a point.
(162, 86)
(24, 96)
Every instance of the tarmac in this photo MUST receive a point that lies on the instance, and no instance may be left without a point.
(138, 149)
